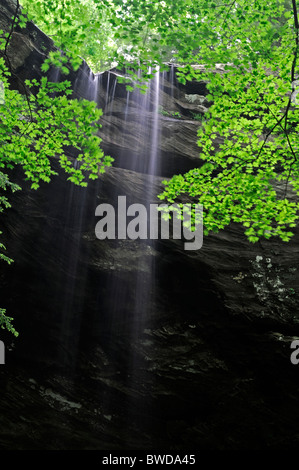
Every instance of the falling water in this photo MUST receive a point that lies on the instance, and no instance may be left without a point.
(172, 80)
(145, 281)
(73, 281)
(145, 159)
(153, 163)
(73, 275)
(107, 89)
(86, 84)
(141, 115)
(92, 89)
(111, 97)
(55, 75)
(126, 306)
(127, 106)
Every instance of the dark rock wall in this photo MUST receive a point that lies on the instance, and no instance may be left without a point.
(137, 345)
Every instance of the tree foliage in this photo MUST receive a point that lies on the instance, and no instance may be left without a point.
(80, 28)
(248, 159)
(249, 143)
(40, 123)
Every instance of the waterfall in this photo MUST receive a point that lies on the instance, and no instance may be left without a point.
(55, 75)
(110, 99)
(86, 84)
(73, 277)
(153, 163)
(92, 88)
(107, 89)
(124, 308)
(141, 111)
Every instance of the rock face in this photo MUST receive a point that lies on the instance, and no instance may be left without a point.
(139, 344)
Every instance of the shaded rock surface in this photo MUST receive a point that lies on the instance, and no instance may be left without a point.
(139, 344)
